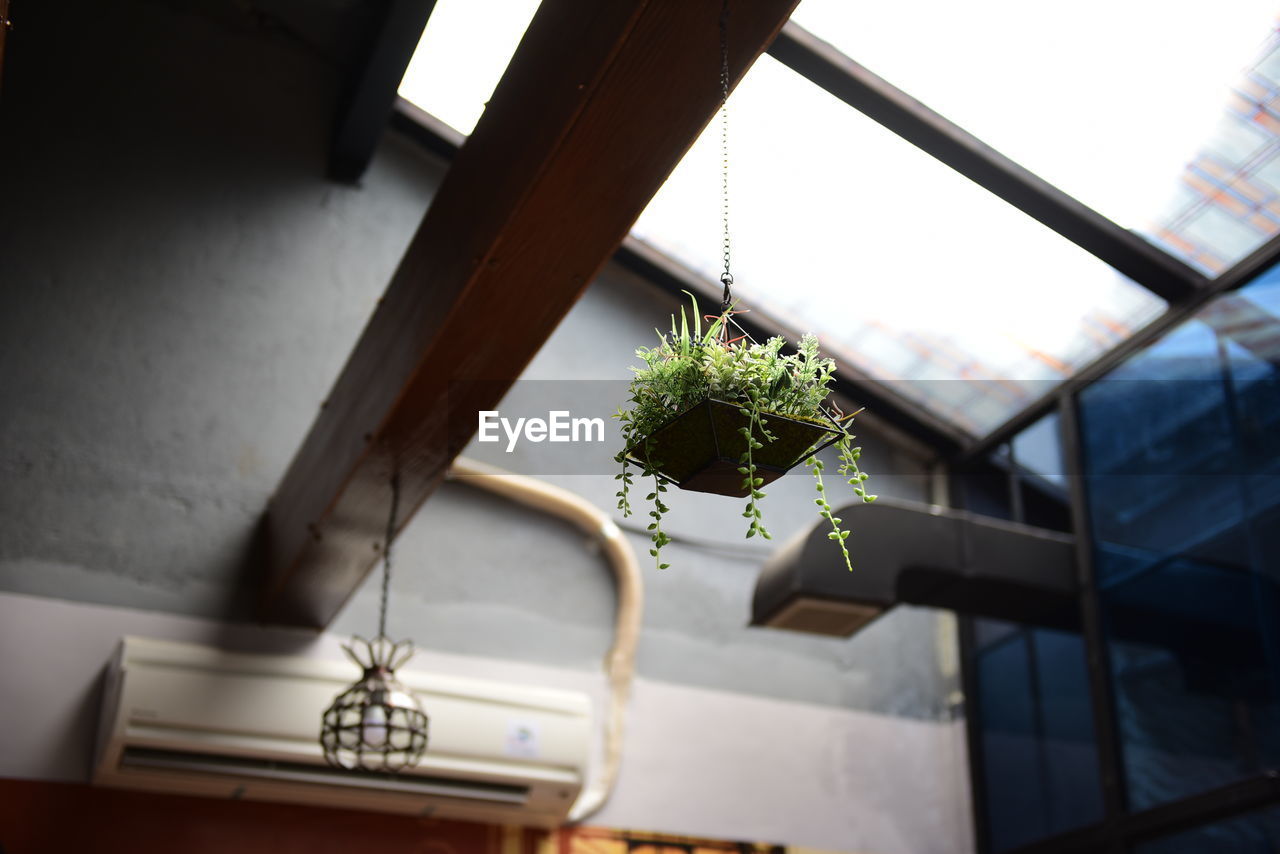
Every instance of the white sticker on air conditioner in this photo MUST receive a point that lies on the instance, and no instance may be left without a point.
(522, 739)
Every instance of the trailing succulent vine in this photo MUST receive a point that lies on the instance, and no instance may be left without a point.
(750, 482)
(692, 364)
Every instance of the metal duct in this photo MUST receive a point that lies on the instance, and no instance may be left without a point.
(918, 554)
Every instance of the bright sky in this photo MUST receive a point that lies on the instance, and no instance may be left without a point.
(461, 56)
(1107, 99)
(906, 267)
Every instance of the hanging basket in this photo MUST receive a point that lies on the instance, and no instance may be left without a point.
(699, 450)
(718, 446)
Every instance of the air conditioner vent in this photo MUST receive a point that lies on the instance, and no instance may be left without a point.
(823, 616)
(320, 775)
(196, 720)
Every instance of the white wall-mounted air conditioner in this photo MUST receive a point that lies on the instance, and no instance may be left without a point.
(194, 720)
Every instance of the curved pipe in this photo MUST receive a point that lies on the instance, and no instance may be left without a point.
(620, 662)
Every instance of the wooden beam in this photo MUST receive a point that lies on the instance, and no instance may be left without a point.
(372, 93)
(599, 103)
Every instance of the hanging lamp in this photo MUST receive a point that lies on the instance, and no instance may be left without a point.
(376, 724)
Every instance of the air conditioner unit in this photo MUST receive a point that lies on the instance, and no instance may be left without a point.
(195, 720)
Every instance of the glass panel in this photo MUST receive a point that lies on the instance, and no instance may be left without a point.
(1163, 117)
(1045, 505)
(1038, 751)
(461, 56)
(1042, 481)
(903, 267)
(985, 487)
(1255, 833)
(1028, 485)
(1183, 477)
(1038, 450)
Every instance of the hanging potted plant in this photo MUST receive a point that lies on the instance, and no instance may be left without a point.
(714, 411)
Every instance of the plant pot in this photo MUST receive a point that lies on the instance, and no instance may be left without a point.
(699, 450)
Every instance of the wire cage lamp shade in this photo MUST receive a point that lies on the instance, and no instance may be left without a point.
(377, 724)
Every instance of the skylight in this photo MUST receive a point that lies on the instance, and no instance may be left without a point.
(463, 51)
(905, 268)
(1160, 115)
(909, 271)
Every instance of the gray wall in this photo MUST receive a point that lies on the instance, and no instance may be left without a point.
(179, 286)
(695, 761)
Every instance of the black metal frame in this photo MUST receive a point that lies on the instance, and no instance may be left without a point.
(1097, 660)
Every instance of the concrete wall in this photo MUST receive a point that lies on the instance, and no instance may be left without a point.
(179, 286)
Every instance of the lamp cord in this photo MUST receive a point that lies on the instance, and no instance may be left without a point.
(386, 554)
(726, 278)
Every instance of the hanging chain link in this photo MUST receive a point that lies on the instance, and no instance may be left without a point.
(726, 278)
(386, 554)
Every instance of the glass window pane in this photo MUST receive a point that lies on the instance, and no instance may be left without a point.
(1183, 480)
(1073, 796)
(985, 487)
(464, 49)
(1161, 115)
(1035, 722)
(1009, 755)
(1038, 450)
(905, 268)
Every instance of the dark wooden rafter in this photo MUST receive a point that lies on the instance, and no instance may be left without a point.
(371, 93)
(599, 103)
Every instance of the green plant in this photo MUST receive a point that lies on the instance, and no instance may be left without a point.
(691, 365)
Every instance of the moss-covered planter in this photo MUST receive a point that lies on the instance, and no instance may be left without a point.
(700, 449)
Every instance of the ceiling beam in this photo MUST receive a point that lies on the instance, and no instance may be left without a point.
(1149, 266)
(599, 103)
(372, 91)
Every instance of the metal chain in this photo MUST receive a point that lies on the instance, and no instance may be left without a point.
(386, 554)
(726, 278)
